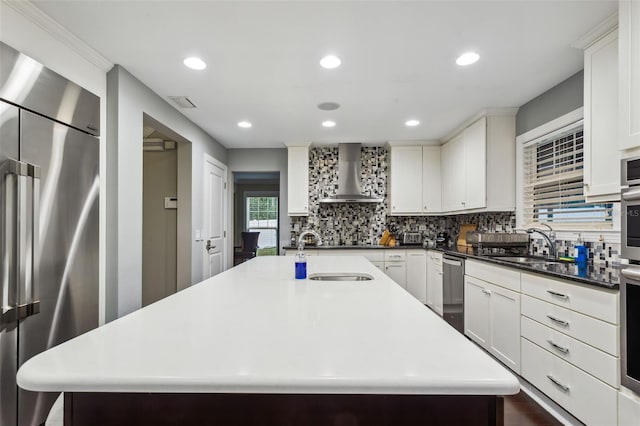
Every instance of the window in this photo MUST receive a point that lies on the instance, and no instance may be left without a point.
(262, 216)
(553, 183)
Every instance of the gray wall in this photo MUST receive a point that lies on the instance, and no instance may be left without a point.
(262, 160)
(127, 101)
(160, 225)
(555, 102)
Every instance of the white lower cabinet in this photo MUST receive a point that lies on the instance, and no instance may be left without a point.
(417, 274)
(397, 271)
(598, 363)
(587, 398)
(434, 281)
(570, 346)
(492, 319)
(628, 408)
(476, 311)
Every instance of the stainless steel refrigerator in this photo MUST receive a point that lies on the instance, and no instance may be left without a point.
(49, 161)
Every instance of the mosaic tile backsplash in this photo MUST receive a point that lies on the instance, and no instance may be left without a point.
(363, 224)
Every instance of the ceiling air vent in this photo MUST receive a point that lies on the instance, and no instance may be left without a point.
(183, 101)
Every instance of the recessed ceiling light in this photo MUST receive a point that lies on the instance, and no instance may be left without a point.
(329, 123)
(330, 62)
(195, 63)
(244, 124)
(467, 58)
(411, 123)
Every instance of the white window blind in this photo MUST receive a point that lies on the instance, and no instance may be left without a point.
(553, 183)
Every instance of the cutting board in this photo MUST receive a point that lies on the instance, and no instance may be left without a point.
(462, 236)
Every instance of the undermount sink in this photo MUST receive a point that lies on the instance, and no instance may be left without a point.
(340, 276)
(526, 259)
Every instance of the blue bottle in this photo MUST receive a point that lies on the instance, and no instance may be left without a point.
(301, 266)
(580, 251)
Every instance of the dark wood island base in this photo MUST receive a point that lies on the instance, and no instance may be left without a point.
(159, 409)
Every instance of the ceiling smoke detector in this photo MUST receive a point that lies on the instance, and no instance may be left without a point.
(328, 106)
(183, 101)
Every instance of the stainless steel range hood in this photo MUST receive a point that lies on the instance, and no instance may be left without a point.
(349, 185)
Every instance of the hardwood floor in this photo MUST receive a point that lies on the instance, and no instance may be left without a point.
(521, 410)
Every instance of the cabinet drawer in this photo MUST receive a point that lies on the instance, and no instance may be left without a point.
(590, 400)
(435, 257)
(395, 255)
(592, 301)
(589, 330)
(498, 275)
(375, 255)
(595, 362)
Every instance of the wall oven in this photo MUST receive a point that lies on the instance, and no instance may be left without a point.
(630, 275)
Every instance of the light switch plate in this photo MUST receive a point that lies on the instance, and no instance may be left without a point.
(170, 202)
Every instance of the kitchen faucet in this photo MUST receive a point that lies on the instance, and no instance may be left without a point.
(549, 238)
(304, 234)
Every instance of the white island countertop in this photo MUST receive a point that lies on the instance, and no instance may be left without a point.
(255, 329)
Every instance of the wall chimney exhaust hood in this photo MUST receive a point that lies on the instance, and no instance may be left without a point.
(349, 185)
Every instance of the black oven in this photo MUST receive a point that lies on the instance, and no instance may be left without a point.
(630, 275)
(630, 326)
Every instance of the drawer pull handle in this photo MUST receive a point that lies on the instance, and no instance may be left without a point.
(487, 292)
(558, 321)
(562, 387)
(558, 295)
(558, 347)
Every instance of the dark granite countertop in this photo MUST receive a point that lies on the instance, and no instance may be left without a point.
(362, 247)
(596, 275)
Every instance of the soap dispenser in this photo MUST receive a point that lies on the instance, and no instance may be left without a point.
(580, 251)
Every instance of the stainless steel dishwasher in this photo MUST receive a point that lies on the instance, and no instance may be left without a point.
(453, 291)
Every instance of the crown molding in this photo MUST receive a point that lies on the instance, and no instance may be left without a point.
(487, 112)
(35, 15)
(595, 34)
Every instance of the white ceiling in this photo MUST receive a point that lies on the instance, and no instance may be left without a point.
(398, 60)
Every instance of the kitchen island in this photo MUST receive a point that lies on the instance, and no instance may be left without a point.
(255, 346)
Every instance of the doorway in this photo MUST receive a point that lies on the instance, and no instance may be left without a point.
(166, 203)
(257, 209)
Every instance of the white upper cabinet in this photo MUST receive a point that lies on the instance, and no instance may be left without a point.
(601, 162)
(414, 179)
(298, 180)
(629, 74)
(431, 178)
(475, 153)
(453, 174)
(405, 179)
(479, 165)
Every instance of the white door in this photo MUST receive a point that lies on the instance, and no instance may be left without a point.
(213, 232)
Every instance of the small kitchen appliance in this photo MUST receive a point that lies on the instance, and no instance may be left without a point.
(442, 239)
(412, 239)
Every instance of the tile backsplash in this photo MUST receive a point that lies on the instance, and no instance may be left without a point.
(364, 224)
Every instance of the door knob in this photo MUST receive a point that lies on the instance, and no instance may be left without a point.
(209, 247)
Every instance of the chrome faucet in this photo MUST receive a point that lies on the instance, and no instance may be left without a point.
(304, 234)
(549, 238)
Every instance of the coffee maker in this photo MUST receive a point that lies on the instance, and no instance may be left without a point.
(442, 239)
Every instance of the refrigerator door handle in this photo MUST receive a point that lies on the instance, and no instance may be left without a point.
(31, 288)
(9, 312)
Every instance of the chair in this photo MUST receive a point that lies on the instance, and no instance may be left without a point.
(248, 248)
